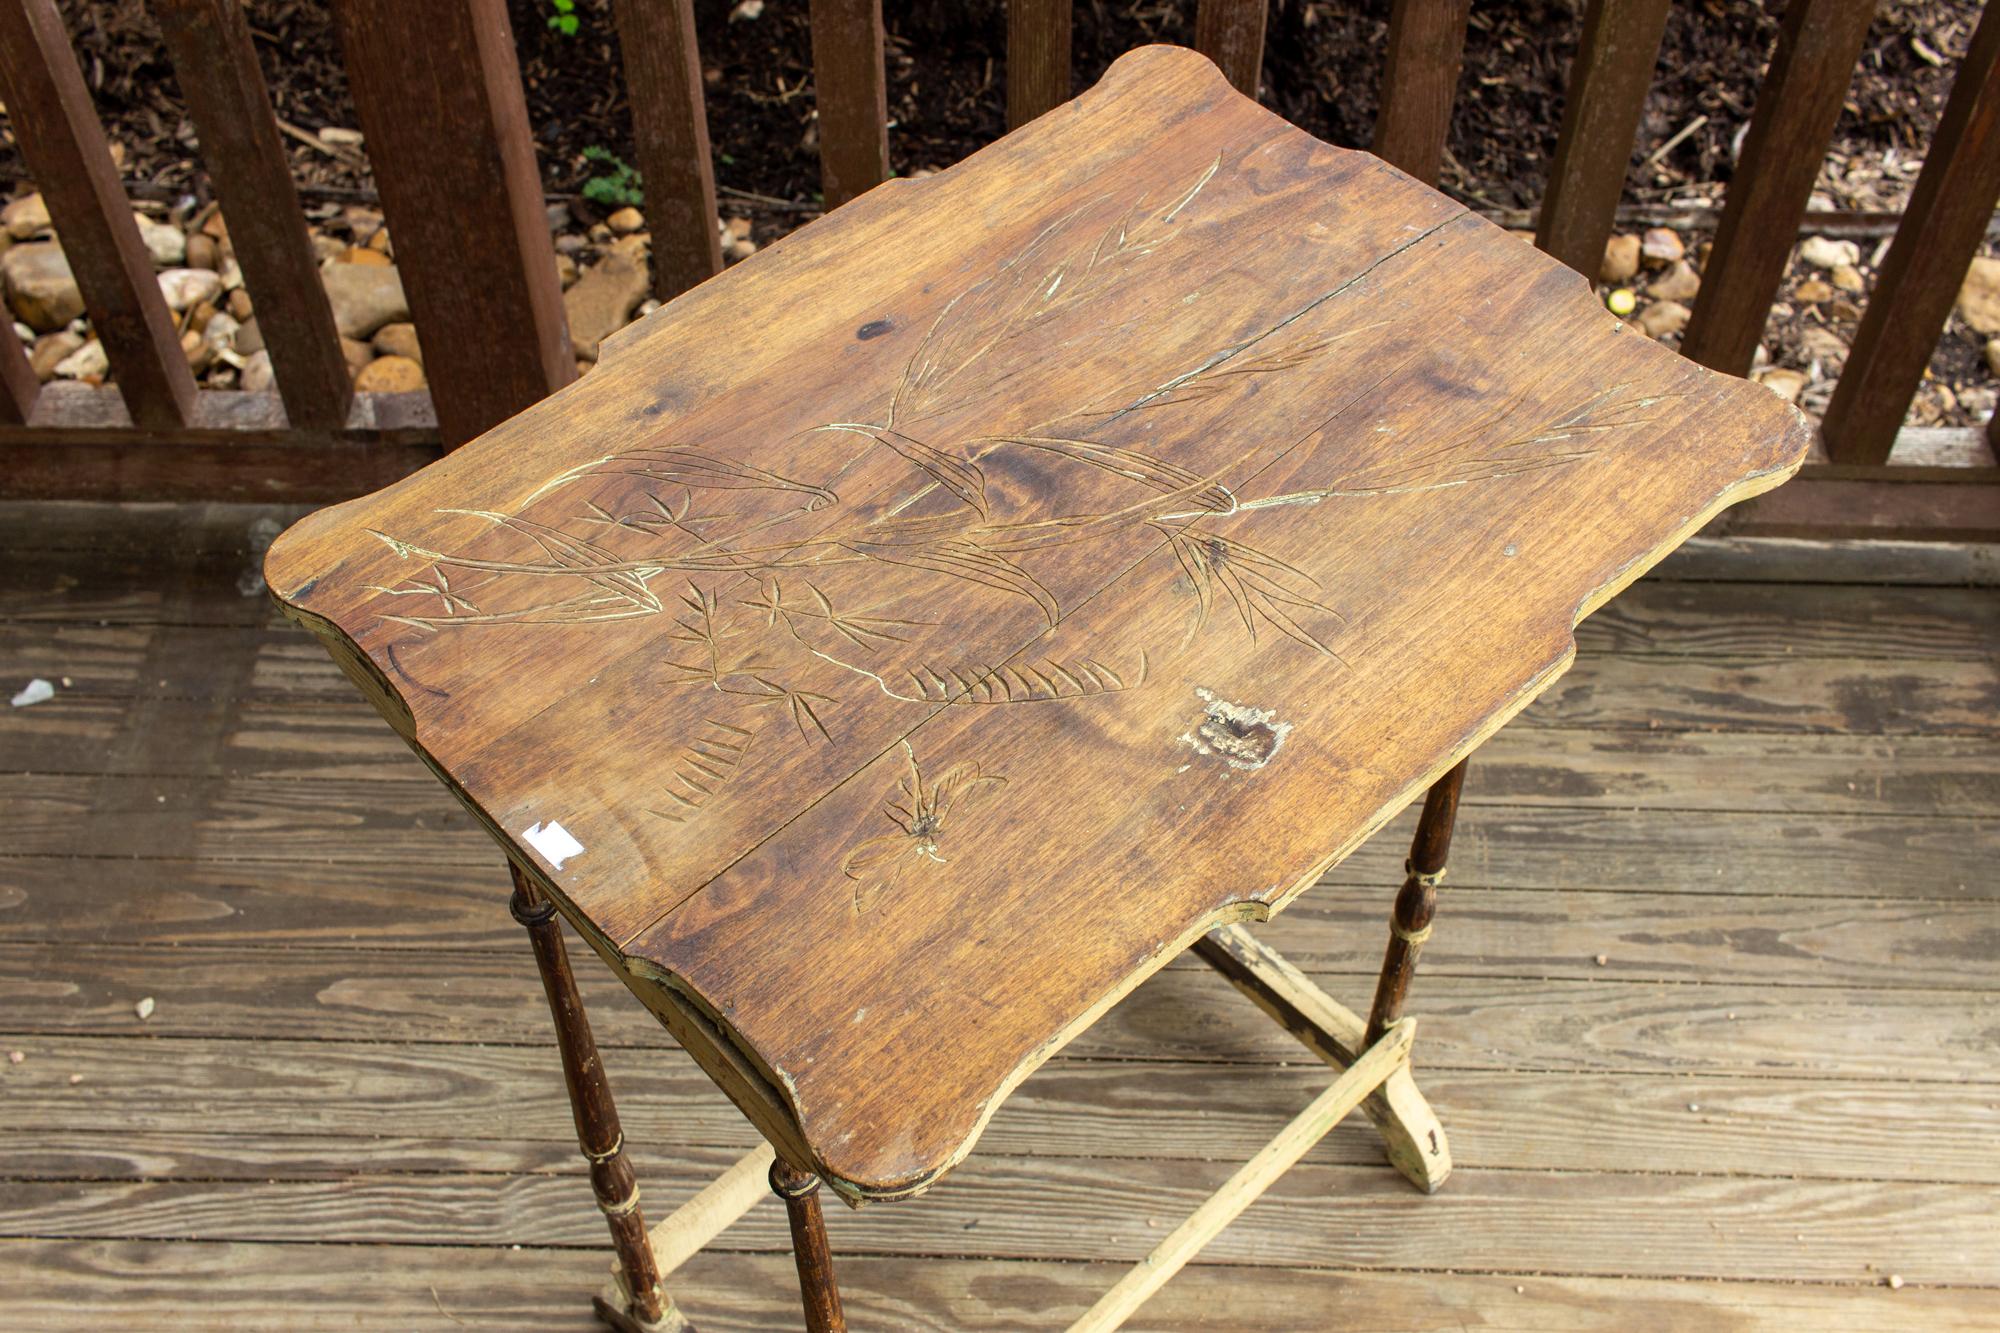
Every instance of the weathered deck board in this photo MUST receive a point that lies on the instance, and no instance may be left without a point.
(383, 890)
(1000, 1207)
(391, 1108)
(1509, 933)
(1810, 964)
(1184, 1013)
(236, 1286)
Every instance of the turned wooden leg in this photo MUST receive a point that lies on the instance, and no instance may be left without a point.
(597, 1131)
(1410, 920)
(800, 1191)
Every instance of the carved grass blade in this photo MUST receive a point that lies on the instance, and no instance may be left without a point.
(973, 563)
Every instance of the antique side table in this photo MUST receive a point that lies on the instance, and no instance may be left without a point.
(908, 641)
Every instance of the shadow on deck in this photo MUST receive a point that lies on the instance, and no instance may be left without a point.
(1710, 1013)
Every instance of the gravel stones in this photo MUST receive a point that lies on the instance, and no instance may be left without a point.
(1621, 260)
(601, 301)
(1822, 252)
(1661, 247)
(364, 297)
(1979, 297)
(41, 289)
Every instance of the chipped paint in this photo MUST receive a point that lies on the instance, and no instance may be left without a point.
(1241, 736)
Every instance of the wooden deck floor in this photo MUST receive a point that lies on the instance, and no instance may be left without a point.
(1711, 1013)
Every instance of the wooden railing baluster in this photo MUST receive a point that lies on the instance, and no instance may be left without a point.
(1231, 33)
(1608, 83)
(65, 149)
(670, 129)
(1419, 82)
(1038, 58)
(215, 57)
(438, 90)
(1919, 280)
(853, 96)
(1811, 67)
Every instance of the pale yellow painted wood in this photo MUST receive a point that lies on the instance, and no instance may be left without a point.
(1411, 1133)
(1250, 1181)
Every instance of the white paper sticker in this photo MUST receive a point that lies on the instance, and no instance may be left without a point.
(554, 842)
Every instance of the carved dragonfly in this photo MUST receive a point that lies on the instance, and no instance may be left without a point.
(920, 812)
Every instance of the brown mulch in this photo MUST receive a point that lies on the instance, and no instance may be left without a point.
(947, 69)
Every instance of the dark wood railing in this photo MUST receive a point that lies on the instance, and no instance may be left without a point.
(438, 93)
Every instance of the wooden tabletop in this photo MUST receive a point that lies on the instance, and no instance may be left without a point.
(906, 642)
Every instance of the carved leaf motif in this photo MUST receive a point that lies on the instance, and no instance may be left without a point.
(682, 465)
(704, 767)
(875, 852)
(1262, 588)
(961, 782)
(1079, 256)
(968, 560)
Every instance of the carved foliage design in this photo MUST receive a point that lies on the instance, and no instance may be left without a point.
(763, 579)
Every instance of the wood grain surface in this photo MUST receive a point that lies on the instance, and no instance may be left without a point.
(1103, 566)
(1038, 58)
(1020, 1208)
(850, 95)
(18, 385)
(1231, 33)
(1420, 68)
